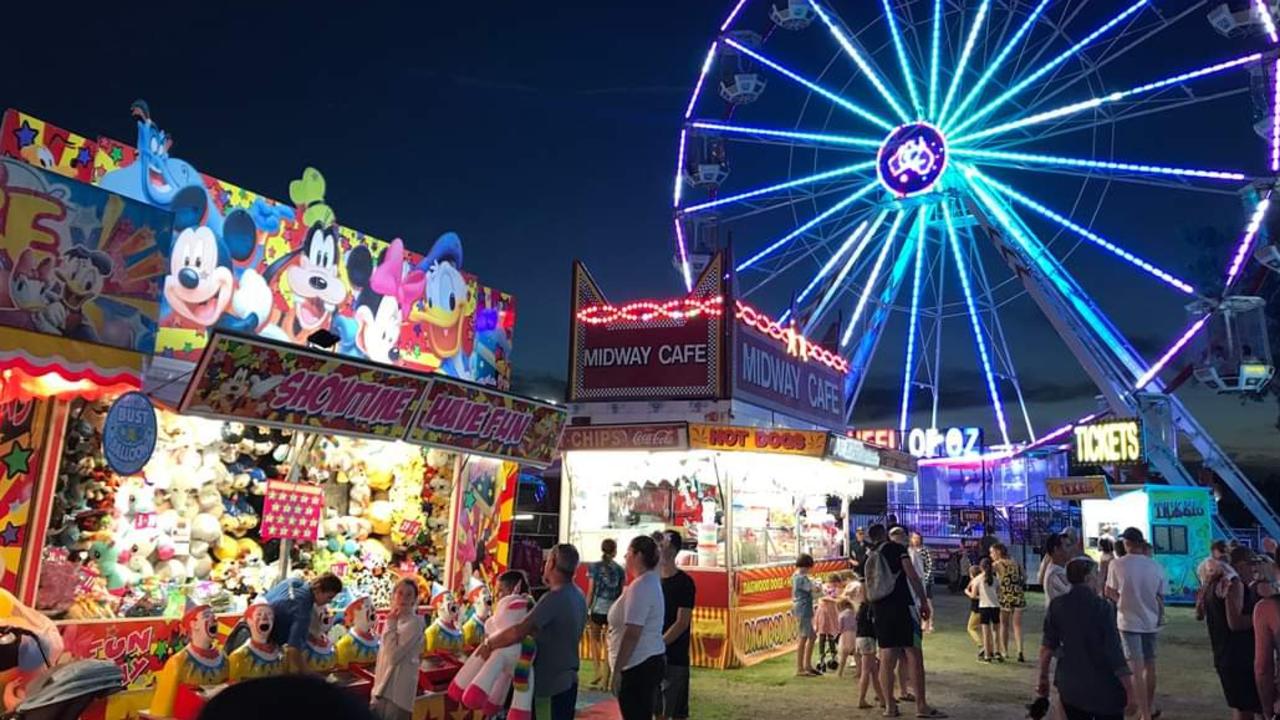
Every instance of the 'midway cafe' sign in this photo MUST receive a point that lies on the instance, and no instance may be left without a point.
(776, 367)
(1110, 442)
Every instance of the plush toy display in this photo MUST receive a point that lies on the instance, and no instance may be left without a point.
(443, 634)
(359, 646)
(482, 684)
(259, 657)
(198, 664)
(318, 654)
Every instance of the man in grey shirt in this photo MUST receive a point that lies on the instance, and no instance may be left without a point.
(556, 624)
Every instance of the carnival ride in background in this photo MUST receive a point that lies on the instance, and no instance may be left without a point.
(946, 158)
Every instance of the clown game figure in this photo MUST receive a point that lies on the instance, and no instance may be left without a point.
(481, 609)
(259, 657)
(318, 655)
(198, 664)
(443, 634)
(359, 646)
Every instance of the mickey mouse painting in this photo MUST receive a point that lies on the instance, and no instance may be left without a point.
(201, 281)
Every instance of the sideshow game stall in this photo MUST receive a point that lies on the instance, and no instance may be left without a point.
(161, 446)
(717, 423)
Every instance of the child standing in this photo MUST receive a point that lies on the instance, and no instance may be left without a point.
(827, 623)
(988, 609)
(848, 634)
(975, 617)
(802, 609)
(395, 679)
(865, 643)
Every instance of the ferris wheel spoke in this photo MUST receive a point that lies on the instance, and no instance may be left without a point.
(807, 180)
(1047, 212)
(1001, 57)
(838, 207)
(1048, 67)
(812, 86)
(1031, 160)
(935, 53)
(815, 138)
(1054, 86)
(859, 233)
(908, 74)
(1246, 241)
(792, 259)
(837, 285)
(871, 280)
(983, 356)
(847, 45)
(965, 53)
(751, 208)
(908, 375)
(1108, 98)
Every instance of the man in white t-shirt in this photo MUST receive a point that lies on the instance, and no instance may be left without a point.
(1136, 583)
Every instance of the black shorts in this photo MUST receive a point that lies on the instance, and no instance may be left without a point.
(599, 619)
(896, 625)
(989, 616)
(672, 698)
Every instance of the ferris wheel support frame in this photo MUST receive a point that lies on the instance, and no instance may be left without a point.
(1106, 360)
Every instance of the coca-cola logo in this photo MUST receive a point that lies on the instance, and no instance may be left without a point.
(658, 437)
(617, 438)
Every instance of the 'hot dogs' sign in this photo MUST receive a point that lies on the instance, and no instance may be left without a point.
(788, 442)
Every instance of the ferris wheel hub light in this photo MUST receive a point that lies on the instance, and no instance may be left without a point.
(912, 158)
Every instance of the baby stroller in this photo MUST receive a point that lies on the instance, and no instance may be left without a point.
(61, 693)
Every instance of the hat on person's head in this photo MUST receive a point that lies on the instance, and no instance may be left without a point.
(1131, 534)
(898, 530)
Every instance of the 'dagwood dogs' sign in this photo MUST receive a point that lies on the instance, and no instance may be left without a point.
(648, 350)
(773, 583)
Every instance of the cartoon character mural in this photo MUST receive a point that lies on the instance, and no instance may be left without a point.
(75, 261)
(250, 264)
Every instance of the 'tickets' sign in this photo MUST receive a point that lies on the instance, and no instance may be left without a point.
(669, 436)
(771, 440)
(487, 422)
(1086, 487)
(771, 371)
(647, 350)
(1110, 442)
(268, 383)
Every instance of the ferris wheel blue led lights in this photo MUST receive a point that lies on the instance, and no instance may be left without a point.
(911, 159)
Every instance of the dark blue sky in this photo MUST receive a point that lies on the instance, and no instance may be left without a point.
(540, 132)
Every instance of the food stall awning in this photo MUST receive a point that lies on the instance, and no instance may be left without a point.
(36, 365)
(263, 382)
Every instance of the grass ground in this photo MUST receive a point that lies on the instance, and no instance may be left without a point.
(964, 688)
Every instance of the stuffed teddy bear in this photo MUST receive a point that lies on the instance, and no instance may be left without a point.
(359, 646)
(482, 684)
(198, 664)
(259, 657)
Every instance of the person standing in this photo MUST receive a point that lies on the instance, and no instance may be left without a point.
(292, 601)
(1136, 583)
(395, 679)
(1229, 616)
(1013, 599)
(1266, 634)
(974, 626)
(986, 588)
(1106, 553)
(1093, 680)
(637, 653)
(802, 591)
(556, 625)
(679, 595)
(603, 588)
(858, 556)
(1217, 564)
(891, 580)
(1053, 577)
(922, 558)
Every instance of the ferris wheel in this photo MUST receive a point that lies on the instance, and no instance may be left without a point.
(906, 173)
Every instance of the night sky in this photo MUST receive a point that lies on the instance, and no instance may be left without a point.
(540, 132)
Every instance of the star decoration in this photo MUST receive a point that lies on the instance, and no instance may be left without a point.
(83, 158)
(26, 134)
(117, 154)
(17, 460)
(9, 536)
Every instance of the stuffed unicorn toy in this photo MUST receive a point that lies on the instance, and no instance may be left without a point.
(482, 684)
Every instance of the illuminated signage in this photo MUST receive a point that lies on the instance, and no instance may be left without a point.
(771, 440)
(883, 437)
(953, 442)
(1110, 442)
(846, 449)
(776, 368)
(1091, 487)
